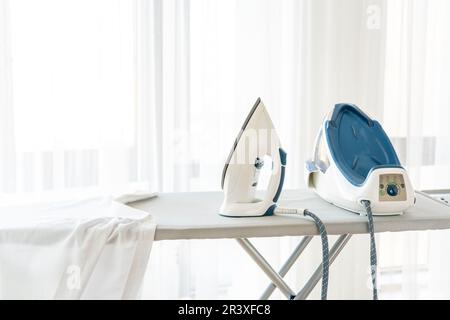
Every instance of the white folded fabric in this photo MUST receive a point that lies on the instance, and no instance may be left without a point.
(134, 196)
(93, 248)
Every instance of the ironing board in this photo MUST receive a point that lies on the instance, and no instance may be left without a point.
(194, 216)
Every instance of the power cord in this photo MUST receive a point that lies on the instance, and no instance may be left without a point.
(324, 238)
(373, 249)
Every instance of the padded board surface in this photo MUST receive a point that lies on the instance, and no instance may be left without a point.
(194, 215)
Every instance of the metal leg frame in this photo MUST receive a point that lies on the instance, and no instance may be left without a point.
(277, 277)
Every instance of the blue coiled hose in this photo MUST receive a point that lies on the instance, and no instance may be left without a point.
(373, 249)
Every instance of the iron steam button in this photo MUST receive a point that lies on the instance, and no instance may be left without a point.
(392, 190)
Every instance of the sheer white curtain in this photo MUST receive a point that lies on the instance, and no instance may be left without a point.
(416, 109)
(70, 97)
(156, 90)
(7, 156)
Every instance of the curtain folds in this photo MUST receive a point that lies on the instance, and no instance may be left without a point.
(7, 150)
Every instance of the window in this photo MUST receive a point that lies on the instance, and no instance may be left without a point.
(73, 90)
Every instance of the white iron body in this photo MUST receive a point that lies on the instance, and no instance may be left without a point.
(256, 140)
(333, 188)
(328, 181)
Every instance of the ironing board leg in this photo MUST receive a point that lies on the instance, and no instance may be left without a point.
(276, 279)
(288, 264)
(334, 252)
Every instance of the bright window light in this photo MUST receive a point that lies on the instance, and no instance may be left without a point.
(77, 88)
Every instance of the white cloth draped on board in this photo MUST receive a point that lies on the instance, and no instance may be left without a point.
(96, 248)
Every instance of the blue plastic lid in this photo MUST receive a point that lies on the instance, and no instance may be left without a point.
(358, 144)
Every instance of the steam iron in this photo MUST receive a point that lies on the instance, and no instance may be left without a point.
(256, 140)
(240, 176)
(355, 167)
(354, 161)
